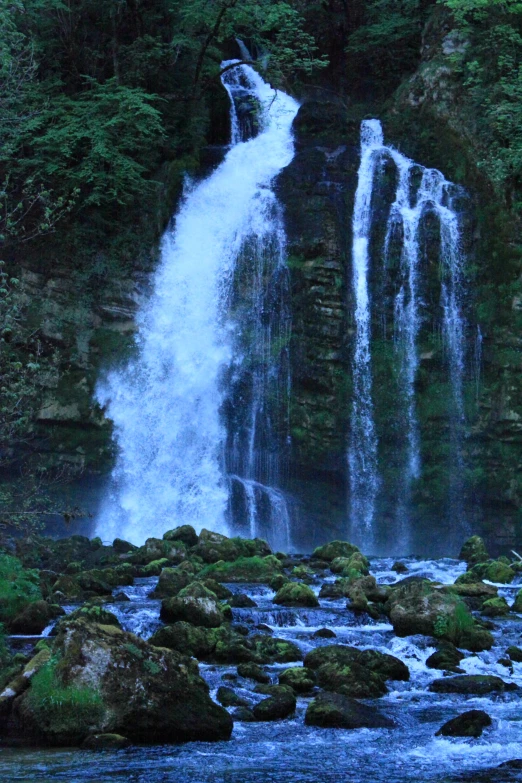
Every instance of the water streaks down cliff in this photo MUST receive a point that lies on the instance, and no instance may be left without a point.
(197, 402)
(420, 195)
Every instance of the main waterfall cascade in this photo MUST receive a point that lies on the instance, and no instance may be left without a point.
(419, 193)
(201, 414)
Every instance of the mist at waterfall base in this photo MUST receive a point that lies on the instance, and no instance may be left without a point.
(201, 414)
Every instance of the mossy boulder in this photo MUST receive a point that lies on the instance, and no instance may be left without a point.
(241, 601)
(170, 582)
(296, 594)
(352, 567)
(93, 582)
(244, 569)
(515, 653)
(470, 724)
(67, 588)
(474, 551)
(195, 604)
(35, 617)
(333, 550)
(270, 649)
(221, 592)
(21, 679)
(495, 607)
(277, 582)
(517, 604)
(419, 607)
(122, 547)
(92, 614)
(185, 638)
(213, 547)
(184, 533)
(158, 549)
(252, 671)
(338, 589)
(103, 680)
(279, 705)
(227, 697)
(471, 684)
(154, 568)
(353, 672)
(336, 711)
(493, 570)
(299, 678)
(447, 658)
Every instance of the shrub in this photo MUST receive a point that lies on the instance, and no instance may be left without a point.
(18, 587)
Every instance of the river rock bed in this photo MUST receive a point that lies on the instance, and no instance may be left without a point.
(319, 686)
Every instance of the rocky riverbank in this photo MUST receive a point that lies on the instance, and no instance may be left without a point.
(198, 638)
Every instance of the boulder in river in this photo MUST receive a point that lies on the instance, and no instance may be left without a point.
(253, 671)
(335, 711)
(474, 551)
(353, 672)
(184, 533)
(35, 617)
(229, 698)
(474, 684)
(195, 604)
(213, 547)
(105, 742)
(299, 678)
(170, 582)
(280, 704)
(447, 658)
(515, 653)
(296, 594)
(469, 724)
(104, 680)
(185, 638)
(334, 549)
(495, 607)
(517, 605)
(244, 569)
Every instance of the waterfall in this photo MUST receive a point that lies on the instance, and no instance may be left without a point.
(172, 405)
(419, 192)
(362, 454)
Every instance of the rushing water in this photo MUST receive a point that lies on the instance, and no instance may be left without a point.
(208, 383)
(420, 193)
(289, 751)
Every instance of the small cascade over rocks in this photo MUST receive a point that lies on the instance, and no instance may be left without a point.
(201, 413)
(421, 194)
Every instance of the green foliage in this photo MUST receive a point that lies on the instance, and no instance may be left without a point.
(490, 64)
(66, 708)
(385, 44)
(18, 587)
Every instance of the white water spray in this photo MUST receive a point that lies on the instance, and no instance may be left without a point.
(166, 403)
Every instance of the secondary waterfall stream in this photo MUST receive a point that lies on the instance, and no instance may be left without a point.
(419, 192)
(199, 415)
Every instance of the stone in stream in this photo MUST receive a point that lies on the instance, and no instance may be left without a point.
(515, 653)
(170, 582)
(105, 742)
(353, 672)
(469, 724)
(497, 571)
(334, 549)
(447, 658)
(474, 551)
(184, 533)
(252, 671)
(213, 547)
(185, 638)
(495, 607)
(243, 715)
(299, 678)
(399, 568)
(227, 697)
(244, 569)
(474, 684)
(324, 633)
(123, 547)
(34, 618)
(335, 711)
(195, 604)
(104, 680)
(416, 606)
(241, 601)
(280, 704)
(277, 582)
(296, 594)
(158, 549)
(517, 605)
